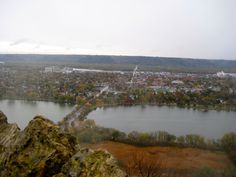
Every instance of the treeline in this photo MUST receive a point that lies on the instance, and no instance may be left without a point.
(207, 99)
(96, 134)
(228, 143)
(161, 138)
(164, 139)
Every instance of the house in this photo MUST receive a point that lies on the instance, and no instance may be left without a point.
(177, 82)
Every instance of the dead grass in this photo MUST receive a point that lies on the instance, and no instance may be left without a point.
(179, 159)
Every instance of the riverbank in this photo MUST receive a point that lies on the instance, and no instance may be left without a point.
(85, 110)
(102, 103)
(194, 107)
(34, 100)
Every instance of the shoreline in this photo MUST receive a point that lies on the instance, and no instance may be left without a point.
(35, 100)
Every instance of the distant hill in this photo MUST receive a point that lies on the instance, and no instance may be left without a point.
(153, 63)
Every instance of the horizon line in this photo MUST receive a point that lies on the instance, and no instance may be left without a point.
(117, 55)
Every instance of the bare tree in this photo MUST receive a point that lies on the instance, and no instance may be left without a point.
(143, 165)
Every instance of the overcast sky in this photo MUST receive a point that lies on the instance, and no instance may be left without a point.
(176, 28)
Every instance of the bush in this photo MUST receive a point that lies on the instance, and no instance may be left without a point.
(204, 172)
(228, 142)
(195, 140)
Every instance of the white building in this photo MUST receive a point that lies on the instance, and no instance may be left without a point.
(48, 70)
(221, 74)
(177, 82)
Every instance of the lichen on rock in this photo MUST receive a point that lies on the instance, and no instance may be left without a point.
(43, 149)
(3, 118)
(93, 163)
(8, 134)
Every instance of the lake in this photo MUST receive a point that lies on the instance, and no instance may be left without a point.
(177, 121)
(21, 111)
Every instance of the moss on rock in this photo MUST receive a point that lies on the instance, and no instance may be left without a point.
(93, 163)
(42, 149)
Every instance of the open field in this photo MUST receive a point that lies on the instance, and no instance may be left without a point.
(179, 159)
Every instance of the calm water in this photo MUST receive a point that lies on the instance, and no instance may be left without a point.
(177, 121)
(21, 112)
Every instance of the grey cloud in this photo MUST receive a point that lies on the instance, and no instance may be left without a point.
(17, 42)
(181, 28)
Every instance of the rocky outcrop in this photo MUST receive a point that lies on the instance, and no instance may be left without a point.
(3, 118)
(43, 149)
(8, 134)
(87, 162)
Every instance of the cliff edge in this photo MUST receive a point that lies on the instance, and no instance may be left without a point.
(42, 149)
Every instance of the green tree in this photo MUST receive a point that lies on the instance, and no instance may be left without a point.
(228, 141)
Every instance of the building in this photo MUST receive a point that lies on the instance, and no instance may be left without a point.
(48, 70)
(51, 69)
(221, 74)
(177, 82)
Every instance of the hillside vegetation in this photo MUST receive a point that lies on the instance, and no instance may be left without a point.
(127, 62)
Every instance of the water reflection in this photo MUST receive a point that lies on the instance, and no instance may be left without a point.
(21, 111)
(10, 102)
(178, 121)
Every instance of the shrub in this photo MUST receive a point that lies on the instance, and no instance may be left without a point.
(228, 142)
(204, 172)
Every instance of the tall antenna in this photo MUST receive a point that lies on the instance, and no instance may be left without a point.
(134, 73)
